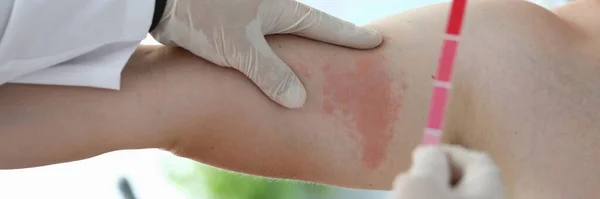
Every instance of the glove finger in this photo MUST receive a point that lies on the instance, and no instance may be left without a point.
(485, 183)
(306, 21)
(273, 76)
(431, 161)
(463, 159)
(407, 186)
(480, 175)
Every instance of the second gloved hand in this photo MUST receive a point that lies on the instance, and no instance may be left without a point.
(449, 172)
(231, 33)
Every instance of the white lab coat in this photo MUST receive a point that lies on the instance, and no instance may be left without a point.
(70, 42)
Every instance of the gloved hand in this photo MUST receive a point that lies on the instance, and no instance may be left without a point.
(449, 172)
(231, 33)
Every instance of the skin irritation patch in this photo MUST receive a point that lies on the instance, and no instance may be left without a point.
(365, 97)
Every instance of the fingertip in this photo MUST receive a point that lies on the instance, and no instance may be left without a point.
(462, 158)
(362, 38)
(427, 152)
(400, 180)
(279, 81)
(371, 36)
(430, 160)
(295, 95)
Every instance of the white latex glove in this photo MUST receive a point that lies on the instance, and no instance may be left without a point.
(435, 168)
(231, 33)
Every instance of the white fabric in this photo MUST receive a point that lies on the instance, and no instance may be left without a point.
(70, 42)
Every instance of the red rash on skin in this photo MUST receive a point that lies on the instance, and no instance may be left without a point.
(367, 100)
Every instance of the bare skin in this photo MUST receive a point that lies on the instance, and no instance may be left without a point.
(525, 91)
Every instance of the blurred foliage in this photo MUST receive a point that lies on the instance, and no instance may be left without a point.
(201, 181)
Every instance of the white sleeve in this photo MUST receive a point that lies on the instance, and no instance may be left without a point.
(71, 42)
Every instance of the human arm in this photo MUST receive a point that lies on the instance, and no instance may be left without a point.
(84, 124)
(511, 56)
(365, 114)
(253, 135)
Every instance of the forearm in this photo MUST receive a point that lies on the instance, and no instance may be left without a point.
(45, 125)
(42, 125)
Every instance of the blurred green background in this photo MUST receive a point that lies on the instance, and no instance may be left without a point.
(202, 181)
